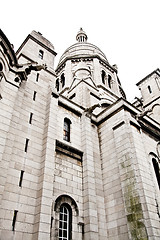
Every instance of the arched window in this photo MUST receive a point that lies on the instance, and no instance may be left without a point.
(63, 80)
(157, 170)
(109, 80)
(103, 76)
(65, 222)
(66, 129)
(41, 54)
(64, 216)
(149, 89)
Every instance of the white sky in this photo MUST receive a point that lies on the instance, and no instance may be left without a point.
(127, 31)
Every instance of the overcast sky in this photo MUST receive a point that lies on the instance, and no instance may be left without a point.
(127, 31)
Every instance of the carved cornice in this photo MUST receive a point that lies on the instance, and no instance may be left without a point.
(81, 59)
(89, 57)
(107, 66)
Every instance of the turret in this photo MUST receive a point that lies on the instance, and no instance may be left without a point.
(150, 91)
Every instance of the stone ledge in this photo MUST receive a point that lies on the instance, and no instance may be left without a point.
(68, 150)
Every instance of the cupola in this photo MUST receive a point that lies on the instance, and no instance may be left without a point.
(81, 36)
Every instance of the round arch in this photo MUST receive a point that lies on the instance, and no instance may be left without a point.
(65, 199)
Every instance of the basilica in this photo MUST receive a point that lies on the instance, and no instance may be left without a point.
(77, 160)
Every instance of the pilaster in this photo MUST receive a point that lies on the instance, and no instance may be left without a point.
(44, 210)
(130, 178)
(68, 74)
(97, 71)
(89, 189)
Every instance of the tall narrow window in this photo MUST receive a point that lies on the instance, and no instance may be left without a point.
(1, 67)
(63, 80)
(149, 89)
(71, 97)
(109, 80)
(65, 223)
(34, 95)
(30, 118)
(41, 54)
(156, 169)
(103, 76)
(21, 178)
(14, 219)
(51, 221)
(37, 77)
(26, 145)
(66, 129)
(57, 84)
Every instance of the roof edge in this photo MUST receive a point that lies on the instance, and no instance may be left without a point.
(30, 36)
(155, 71)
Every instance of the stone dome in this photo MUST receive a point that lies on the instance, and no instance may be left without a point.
(82, 49)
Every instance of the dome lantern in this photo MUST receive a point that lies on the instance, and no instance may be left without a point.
(81, 36)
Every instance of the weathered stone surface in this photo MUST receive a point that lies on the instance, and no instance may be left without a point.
(103, 173)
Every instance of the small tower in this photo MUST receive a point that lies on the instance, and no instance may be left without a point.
(81, 36)
(150, 91)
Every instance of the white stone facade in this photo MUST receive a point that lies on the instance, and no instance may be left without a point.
(70, 140)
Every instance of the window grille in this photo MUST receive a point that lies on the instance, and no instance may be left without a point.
(64, 220)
